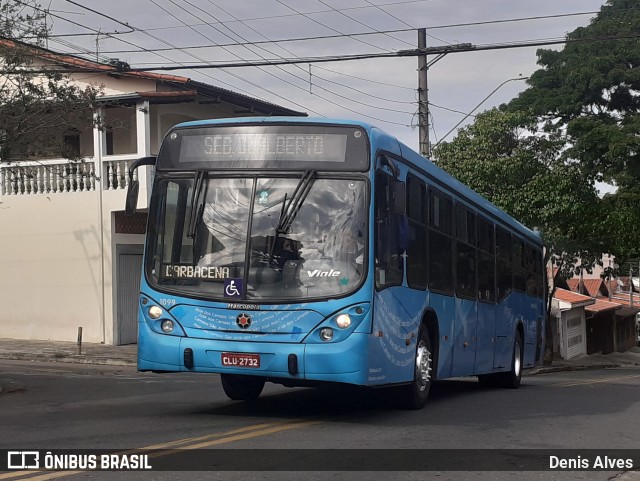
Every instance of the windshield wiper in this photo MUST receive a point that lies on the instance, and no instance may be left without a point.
(197, 210)
(289, 213)
(290, 210)
(195, 203)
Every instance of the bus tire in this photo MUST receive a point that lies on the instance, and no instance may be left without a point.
(511, 379)
(415, 395)
(241, 388)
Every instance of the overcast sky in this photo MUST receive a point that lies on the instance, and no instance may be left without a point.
(381, 91)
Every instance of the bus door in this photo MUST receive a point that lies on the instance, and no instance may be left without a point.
(485, 337)
(464, 338)
(466, 322)
(486, 263)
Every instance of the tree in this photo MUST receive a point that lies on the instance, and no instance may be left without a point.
(502, 157)
(589, 93)
(38, 105)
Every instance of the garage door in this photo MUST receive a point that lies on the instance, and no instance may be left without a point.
(576, 342)
(129, 271)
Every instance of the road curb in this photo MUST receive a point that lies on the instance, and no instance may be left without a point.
(579, 367)
(72, 359)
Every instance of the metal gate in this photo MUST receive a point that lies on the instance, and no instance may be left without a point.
(575, 337)
(128, 287)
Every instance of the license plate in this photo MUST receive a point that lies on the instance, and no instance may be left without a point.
(237, 359)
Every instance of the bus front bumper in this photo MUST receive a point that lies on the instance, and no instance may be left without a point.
(343, 362)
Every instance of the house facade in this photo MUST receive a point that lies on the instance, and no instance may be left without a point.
(69, 257)
(570, 328)
(611, 319)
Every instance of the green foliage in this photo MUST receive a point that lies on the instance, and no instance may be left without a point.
(38, 105)
(589, 92)
(590, 88)
(502, 158)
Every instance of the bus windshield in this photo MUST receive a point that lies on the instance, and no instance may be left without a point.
(259, 238)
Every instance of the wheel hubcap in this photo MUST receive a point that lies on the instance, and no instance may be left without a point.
(516, 361)
(423, 366)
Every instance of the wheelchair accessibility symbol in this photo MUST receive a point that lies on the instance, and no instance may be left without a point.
(233, 288)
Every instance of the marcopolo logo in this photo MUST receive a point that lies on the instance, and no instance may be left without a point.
(243, 321)
(23, 460)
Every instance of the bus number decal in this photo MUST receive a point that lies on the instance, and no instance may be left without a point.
(168, 302)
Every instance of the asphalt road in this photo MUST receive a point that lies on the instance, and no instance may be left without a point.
(70, 406)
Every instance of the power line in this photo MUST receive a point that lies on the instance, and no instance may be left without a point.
(240, 36)
(102, 15)
(229, 73)
(298, 77)
(400, 53)
(360, 34)
(330, 28)
(363, 93)
(203, 60)
(431, 104)
(274, 17)
(365, 79)
(363, 24)
(401, 21)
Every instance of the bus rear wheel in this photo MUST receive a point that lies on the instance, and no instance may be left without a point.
(415, 395)
(510, 379)
(241, 388)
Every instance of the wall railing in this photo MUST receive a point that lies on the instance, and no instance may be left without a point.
(60, 176)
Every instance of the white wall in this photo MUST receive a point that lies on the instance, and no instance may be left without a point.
(50, 253)
(57, 250)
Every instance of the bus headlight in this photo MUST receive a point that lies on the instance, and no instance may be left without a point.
(167, 326)
(155, 312)
(343, 321)
(326, 333)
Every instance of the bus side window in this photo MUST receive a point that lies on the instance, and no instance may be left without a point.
(466, 253)
(417, 215)
(486, 261)
(441, 274)
(503, 263)
(534, 271)
(388, 249)
(518, 257)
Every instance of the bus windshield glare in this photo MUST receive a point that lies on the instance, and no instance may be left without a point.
(260, 238)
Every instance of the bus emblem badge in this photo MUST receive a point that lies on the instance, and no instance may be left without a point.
(243, 321)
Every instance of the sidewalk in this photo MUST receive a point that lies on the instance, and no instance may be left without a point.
(60, 351)
(593, 361)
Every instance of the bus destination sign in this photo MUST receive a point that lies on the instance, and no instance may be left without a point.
(234, 146)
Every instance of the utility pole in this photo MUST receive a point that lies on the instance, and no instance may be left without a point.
(423, 96)
(631, 284)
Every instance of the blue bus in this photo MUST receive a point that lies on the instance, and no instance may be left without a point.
(308, 251)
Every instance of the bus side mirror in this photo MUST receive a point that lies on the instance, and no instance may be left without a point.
(132, 198)
(131, 201)
(398, 197)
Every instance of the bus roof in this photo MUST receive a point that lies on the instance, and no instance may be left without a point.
(442, 178)
(274, 120)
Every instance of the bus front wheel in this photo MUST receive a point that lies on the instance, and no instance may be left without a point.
(416, 394)
(241, 388)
